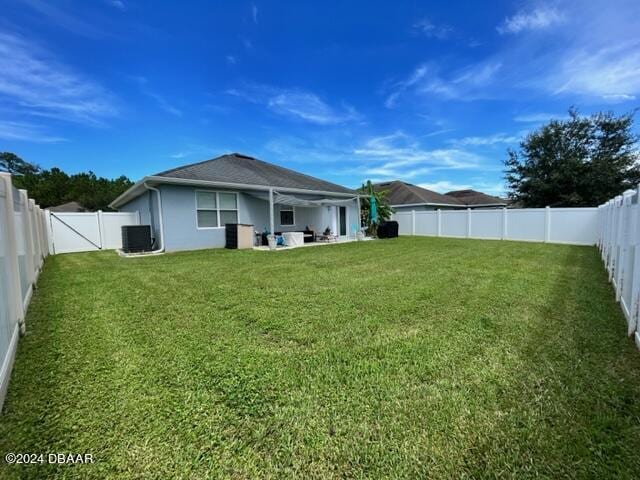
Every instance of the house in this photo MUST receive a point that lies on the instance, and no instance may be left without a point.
(475, 199)
(188, 206)
(68, 207)
(404, 197)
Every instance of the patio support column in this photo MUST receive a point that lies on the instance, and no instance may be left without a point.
(271, 220)
(359, 214)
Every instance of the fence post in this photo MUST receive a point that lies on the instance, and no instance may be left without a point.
(45, 233)
(439, 222)
(468, 222)
(101, 228)
(547, 224)
(634, 307)
(33, 225)
(49, 226)
(15, 288)
(28, 237)
(413, 222)
(504, 224)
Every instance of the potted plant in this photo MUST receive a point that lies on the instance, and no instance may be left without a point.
(374, 209)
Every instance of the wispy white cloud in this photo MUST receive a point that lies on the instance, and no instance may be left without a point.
(495, 139)
(327, 149)
(611, 72)
(35, 83)
(418, 74)
(163, 103)
(537, 117)
(25, 131)
(160, 100)
(582, 60)
(620, 97)
(296, 104)
(248, 44)
(401, 155)
(64, 18)
(310, 108)
(254, 13)
(119, 4)
(441, 131)
(198, 150)
(539, 18)
(467, 83)
(444, 186)
(428, 28)
(231, 59)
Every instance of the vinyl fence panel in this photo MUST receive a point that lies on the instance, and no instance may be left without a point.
(22, 254)
(555, 225)
(21, 244)
(573, 225)
(486, 224)
(111, 227)
(426, 223)
(88, 231)
(453, 223)
(618, 241)
(404, 222)
(527, 224)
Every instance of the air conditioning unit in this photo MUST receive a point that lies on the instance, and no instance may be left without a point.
(136, 238)
(239, 235)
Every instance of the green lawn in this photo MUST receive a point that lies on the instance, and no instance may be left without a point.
(408, 358)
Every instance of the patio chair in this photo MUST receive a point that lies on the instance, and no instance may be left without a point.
(327, 236)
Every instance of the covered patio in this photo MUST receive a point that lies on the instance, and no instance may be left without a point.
(298, 219)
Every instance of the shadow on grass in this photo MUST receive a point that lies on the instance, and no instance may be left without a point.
(571, 407)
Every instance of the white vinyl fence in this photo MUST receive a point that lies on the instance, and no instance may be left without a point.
(23, 248)
(577, 226)
(619, 241)
(85, 232)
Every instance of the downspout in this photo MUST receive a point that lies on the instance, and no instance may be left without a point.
(161, 249)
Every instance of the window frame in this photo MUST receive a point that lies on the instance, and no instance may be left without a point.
(291, 209)
(217, 209)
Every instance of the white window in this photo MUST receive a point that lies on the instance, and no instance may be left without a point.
(215, 209)
(287, 217)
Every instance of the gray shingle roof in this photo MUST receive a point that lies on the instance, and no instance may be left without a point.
(237, 168)
(68, 207)
(473, 197)
(401, 193)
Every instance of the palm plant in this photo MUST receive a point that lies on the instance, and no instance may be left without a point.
(383, 209)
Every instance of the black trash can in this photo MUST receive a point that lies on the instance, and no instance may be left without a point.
(388, 229)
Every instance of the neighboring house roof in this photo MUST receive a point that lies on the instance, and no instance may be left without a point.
(239, 171)
(401, 193)
(68, 207)
(475, 198)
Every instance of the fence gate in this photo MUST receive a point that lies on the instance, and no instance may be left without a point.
(85, 232)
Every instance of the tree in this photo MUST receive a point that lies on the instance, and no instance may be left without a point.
(54, 187)
(10, 162)
(383, 209)
(581, 161)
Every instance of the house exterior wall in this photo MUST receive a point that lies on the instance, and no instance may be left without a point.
(147, 207)
(181, 231)
(180, 220)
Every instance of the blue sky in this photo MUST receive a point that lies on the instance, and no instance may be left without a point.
(431, 93)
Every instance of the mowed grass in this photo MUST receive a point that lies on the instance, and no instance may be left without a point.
(405, 358)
